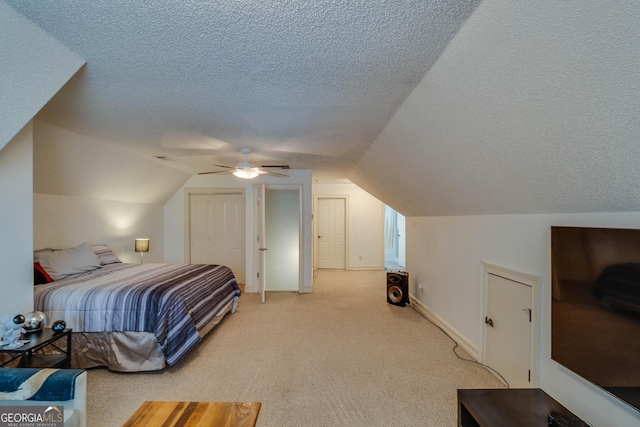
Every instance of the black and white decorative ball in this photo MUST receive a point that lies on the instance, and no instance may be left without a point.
(18, 319)
(58, 325)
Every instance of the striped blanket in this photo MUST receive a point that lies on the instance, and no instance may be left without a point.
(172, 301)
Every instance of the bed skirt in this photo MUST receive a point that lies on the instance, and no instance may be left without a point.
(126, 351)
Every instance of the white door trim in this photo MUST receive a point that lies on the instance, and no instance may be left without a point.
(530, 280)
(261, 243)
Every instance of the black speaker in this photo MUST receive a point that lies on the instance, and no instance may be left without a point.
(398, 288)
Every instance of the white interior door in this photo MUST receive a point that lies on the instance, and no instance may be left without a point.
(262, 245)
(331, 226)
(217, 231)
(508, 330)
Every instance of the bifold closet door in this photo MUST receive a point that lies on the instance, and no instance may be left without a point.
(217, 231)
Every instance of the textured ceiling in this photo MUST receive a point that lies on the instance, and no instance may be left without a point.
(305, 83)
(534, 107)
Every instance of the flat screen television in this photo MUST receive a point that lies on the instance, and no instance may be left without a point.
(595, 307)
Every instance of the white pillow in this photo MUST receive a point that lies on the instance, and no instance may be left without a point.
(105, 254)
(38, 252)
(64, 262)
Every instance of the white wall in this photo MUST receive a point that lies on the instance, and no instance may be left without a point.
(33, 68)
(67, 221)
(69, 164)
(445, 255)
(86, 191)
(365, 223)
(16, 234)
(174, 213)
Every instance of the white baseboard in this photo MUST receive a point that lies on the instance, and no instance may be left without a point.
(254, 290)
(462, 341)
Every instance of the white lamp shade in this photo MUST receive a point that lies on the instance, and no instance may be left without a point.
(142, 245)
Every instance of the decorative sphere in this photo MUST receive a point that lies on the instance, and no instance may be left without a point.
(18, 319)
(59, 325)
(35, 321)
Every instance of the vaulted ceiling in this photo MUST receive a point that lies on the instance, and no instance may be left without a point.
(308, 84)
(436, 107)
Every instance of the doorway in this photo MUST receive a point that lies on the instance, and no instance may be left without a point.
(394, 239)
(282, 220)
(279, 238)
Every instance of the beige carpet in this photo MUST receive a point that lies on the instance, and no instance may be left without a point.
(341, 356)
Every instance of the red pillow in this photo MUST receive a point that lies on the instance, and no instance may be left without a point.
(41, 276)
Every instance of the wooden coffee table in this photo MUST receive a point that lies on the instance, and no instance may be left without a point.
(213, 414)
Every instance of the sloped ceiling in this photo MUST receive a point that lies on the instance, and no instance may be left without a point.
(26, 50)
(534, 107)
(68, 164)
(309, 84)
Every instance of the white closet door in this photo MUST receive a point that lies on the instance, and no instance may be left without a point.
(217, 231)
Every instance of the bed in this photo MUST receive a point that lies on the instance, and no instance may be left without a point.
(131, 317)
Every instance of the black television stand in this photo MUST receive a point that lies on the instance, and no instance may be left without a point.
(525, 407)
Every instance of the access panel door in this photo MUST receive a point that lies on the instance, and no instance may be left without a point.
(508, 330)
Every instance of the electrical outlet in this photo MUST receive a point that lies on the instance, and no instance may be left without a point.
(420, 287)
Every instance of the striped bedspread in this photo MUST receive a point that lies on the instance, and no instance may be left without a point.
(173, 301)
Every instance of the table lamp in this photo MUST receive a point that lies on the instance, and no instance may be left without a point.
(142, 246)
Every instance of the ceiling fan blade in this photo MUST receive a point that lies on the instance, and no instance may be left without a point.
(276, 174)
(208, 173)
(246, 168)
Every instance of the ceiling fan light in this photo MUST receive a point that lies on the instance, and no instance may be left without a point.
(246, 173)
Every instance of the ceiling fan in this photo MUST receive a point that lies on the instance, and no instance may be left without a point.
(244, 170)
